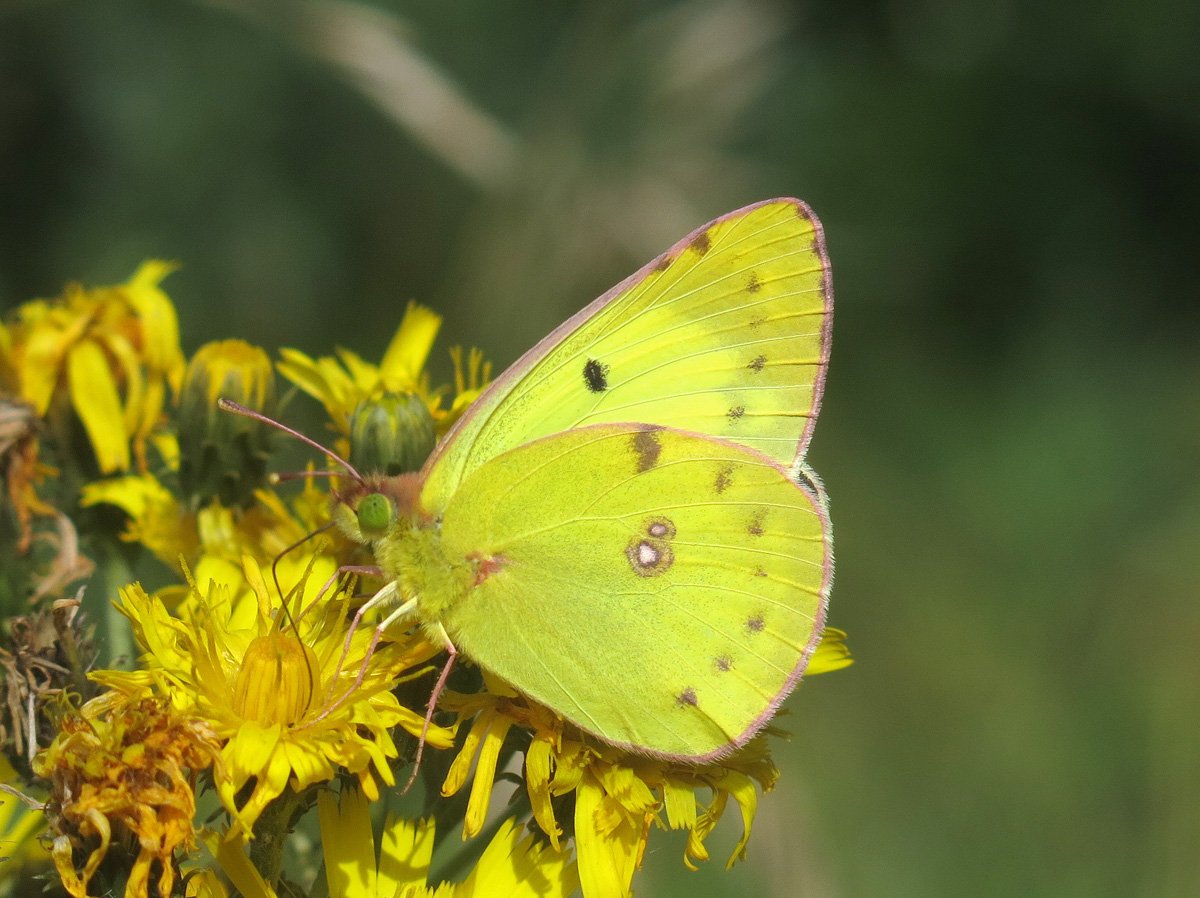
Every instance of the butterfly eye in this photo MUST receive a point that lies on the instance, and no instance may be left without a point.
(374, 513)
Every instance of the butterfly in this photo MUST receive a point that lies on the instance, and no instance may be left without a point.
(623, 526)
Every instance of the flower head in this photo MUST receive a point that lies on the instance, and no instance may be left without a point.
(287, 694)
(344, 383)
(110, 353)
(121, 768)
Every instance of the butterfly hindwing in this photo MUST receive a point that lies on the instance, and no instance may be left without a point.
(725, 334)
(661, 589)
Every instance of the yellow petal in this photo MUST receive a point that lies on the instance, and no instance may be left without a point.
(538, 772)
(744, 793)
(160, 324)
(348, 844)
(230, 851)
(517, 866)
(132, 494)
(40, 363)
(363, 374)
(831, 654)
(132, 376)
(606, 859)
(303, 371)
(405, 855)
(679, 799)
(485, 776)
(96, 400)
(456, 776)
(409, 349)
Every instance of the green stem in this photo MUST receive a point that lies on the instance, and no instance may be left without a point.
(271, 832)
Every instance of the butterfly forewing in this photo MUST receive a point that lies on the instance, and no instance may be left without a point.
(660, 589)
(725, 334)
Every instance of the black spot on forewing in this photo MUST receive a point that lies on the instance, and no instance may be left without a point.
(723, 663)
(686, 698)
(758, 363)
(755, 623)
(647, 448)
(736, 412)
(595, 375)
(702, 244)
(753, 285)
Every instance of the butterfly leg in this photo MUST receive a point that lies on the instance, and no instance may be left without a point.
(364, 570)
(385, 595)
(452, 656)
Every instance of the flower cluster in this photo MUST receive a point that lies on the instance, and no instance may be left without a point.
(253, 697)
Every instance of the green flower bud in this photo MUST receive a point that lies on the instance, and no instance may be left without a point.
(392, 434)
(224, 456)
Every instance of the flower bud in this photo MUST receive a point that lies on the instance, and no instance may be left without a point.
(392, 434)
(221, 455)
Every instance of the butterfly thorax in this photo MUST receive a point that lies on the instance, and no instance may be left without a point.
(412, 555)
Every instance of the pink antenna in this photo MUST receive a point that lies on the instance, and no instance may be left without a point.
(228, 405)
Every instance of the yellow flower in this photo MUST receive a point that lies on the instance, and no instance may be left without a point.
(287, 696)
(157, 520)
(344, 383)
(121, 768)
(618, 795)
(512, 865)
(161, 523)
(111, 352)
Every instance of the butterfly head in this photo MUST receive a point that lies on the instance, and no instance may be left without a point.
(368, 509)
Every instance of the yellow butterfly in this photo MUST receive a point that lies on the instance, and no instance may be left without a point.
(623, 526)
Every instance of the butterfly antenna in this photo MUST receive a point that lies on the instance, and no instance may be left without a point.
(228, 405)
(296, 545)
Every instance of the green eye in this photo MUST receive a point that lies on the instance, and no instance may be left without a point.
(374, 513)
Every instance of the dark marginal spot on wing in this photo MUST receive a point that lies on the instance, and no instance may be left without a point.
(647, 448)
(736, 412)
(755, 624)
(758, 363)
(724, 479)
(595, 375)
(648, 557)
(723, 663)
(755, 527)
(686, 698)
(702, 244)
(753, 285)
(663, 262)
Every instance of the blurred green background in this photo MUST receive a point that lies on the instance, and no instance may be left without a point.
(1009, 436)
